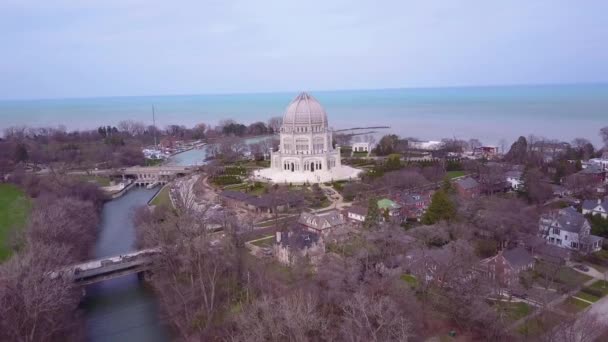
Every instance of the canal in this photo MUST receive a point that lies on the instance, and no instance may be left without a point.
(122, 309)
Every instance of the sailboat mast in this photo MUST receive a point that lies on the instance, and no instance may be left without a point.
(154, 124)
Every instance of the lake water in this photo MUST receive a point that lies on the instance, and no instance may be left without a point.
(122, 309)
(487, 113)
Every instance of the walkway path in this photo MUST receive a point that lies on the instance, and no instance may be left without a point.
(336, 203)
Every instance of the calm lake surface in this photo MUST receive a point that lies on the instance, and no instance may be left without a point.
(122, 309)
(489, 113)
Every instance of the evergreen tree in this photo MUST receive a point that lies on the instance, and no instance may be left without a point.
(518, 152)
(21, 154)
(373, 214)
(447, 185)
(441, 208)
(393, 162)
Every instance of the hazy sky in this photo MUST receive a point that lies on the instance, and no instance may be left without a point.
(64, 48)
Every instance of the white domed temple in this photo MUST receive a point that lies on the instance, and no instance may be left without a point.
(306, 152)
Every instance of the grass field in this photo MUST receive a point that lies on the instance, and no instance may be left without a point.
(573, 305)
(540, 324)
(514, 310)
(162, 198)
(454, 174)
(14, 208)
(561, 275)
(410, 279)
(101, 181)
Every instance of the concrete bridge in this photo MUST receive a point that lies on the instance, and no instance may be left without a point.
(94, 271)
(149, 175)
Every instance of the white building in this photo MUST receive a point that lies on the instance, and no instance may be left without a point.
(361, 147)
(602, 162)
(306, 152)
(425, 145)
(515, 179)
(597, 207)
(569, 229)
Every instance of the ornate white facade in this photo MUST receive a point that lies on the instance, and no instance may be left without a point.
(306, 152)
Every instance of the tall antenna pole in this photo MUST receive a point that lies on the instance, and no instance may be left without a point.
(154, 124)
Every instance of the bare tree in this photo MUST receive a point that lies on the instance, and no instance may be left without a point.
(296, 317)
(374, 318)
(132, 128)
(33, 305)
(275, 123)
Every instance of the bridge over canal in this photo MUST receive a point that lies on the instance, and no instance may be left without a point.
(94, 271)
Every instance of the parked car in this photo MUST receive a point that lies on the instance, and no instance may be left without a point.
(581, 267)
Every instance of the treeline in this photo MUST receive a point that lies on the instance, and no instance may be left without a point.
(223, 294)
(61, 230)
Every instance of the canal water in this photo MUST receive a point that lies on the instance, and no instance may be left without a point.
(122, 309)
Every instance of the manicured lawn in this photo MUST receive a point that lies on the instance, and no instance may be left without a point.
(516, 310)
(360, 154)
(561, 275)
(99, 180)
(410, 279)
(454, 174)
(573, 305)
(266, 241)
(162, 198)
(154, 162)
(539, 324)
(14, 208)
(587, 296)
(600, 285)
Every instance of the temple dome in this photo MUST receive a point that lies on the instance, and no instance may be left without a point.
(305, 110)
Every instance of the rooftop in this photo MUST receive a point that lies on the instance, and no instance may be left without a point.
(467, 183)
(518, 257)
(321, 221)
(305, 110)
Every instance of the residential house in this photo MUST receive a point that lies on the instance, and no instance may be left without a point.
(595, 172)
(567, 228)
(356, 213)
(506, 266)
(596, 207)
(262, 204)
(467, 187)
(542, 250)
(387, 206)
(298, 243)
(321, 223)
(487, 152)
(601, 162)
(414, 205)
(515, 179)
(560, 191)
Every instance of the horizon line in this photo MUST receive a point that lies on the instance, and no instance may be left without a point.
(232, 93)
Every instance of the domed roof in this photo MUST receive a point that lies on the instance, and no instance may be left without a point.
(305, 110)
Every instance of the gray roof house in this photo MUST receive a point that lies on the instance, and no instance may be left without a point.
(567, 228)
(298, 243)
(321, 222)
(596, 207)
(505, 267)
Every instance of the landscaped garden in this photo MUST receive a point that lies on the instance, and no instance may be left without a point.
(455, 174)
(14, 208)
